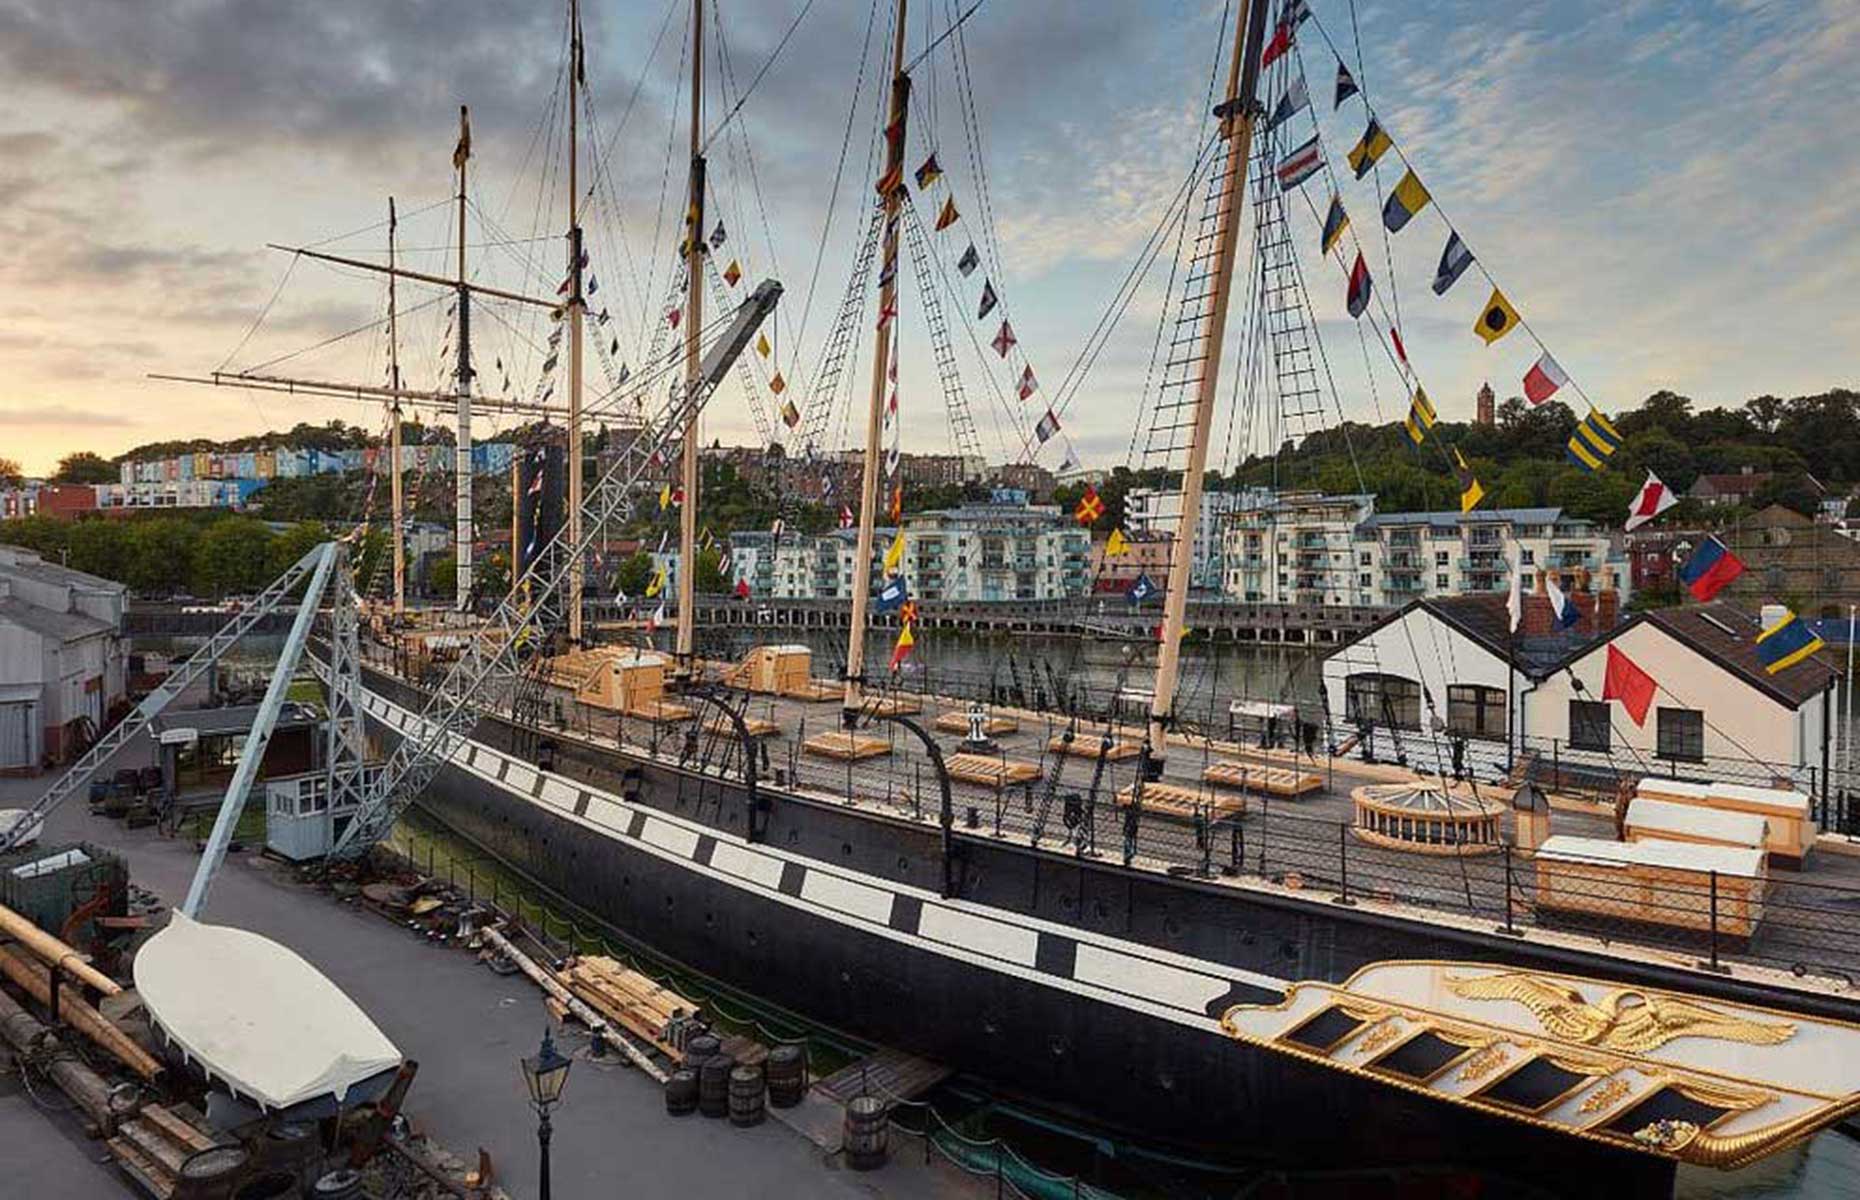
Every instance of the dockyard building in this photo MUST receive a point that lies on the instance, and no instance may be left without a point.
(62, 660)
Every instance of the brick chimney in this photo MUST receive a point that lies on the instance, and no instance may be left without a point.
(1607, 609)
(1537, 618)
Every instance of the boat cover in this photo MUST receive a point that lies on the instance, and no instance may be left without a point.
(256, 1017)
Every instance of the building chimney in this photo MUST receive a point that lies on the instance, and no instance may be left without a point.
(1538, 620)
(1607, 609)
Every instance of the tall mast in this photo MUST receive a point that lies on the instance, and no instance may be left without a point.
(1236, 113)
(694, 317)
(462, 378)
(394, 487)
(576, 308)
(881, 361)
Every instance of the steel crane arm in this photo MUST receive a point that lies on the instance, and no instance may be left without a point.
(490, 663)
(182, 678)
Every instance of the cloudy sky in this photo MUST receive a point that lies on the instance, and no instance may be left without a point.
(1669, 193)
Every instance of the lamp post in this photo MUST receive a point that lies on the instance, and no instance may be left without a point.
(545, 1073)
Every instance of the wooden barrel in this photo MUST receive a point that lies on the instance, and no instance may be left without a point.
(867, 1137)
(341, 1184)
(746, 1107)
(714, 1085)
(681, 1092)
(787, 1075)
(700, 1047)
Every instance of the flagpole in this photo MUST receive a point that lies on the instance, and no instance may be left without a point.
(397, 499)
(881, 358)
(683, 662)
(1237, 117)
(577, 308)
(462, 530)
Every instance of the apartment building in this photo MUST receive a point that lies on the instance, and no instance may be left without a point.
(1337, 550)
(1157, 512)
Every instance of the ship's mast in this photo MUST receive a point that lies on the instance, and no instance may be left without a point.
(881, 361)
(694, 317)
(462, 377)
(577, 307)
(394, 486)
(1237, 114)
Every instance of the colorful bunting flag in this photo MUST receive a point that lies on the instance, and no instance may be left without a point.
(1090, 506)
(1593, 441)
(594, 285)
(969, 261)
(777, 384)
(1708, 569)
(1335, 222)
(1453, 263)
(1276, 48)
(894, 505)
(1346, 86)
(1421, 417)
(656, 619)
(717, 237)
(989, 300)
(1369, 148)
(1296, 97)
(1624, 681)
(1563, 610)
(762, 344)
(1117, 545)
(1542, 380)
(673, 316)
(732, 273)
(902, 650)
(1786, 643)
(1360, 286)
(948, 216)
(928, 174)
(1653, 499)
(1497, 320)
(891, 181)
(1470, 490)
(790, 415)
(1047, 427)
(1401, 351)
(1004, 340)
(1408, 198)
(1028, 384)
(657, 584)
(894, 553)
(742, 589)
(846, 517)
(892, 596)
(1141, 588)
(1299, 165)
(665, 497)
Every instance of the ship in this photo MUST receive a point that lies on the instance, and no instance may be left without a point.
(1063, 904)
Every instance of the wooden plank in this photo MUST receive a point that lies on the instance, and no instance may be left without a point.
(1187, 802)
(1086, 745)
(155, 1179)
(759, 727)
(846, 746)
(661, 712)
(583, 1013)
(893, 706)
(989, 772)
(176, 1128)
(1274, 781)
(957, 721)
(50, 950)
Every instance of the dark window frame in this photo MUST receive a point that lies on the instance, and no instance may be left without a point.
(1391, 701)
(1486, 706)
(1685, 741)
(1586, 718)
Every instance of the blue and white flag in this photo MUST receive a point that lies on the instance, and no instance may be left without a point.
(892, 596)
(1142, 589)
(1296, 97)
(1562, 607)
(1453, 263)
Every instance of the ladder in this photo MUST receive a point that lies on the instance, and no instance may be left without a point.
(963, 437)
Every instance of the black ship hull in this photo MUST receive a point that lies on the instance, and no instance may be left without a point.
(1079, 985)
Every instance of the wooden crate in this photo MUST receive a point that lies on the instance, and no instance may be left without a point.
(1791, 832)
(1086, 745)
(775, 670)
(759, 727)
(630, 1000)
(1184, 802)
(989, 771)
(892, 706)
(661, 712)
(1273, 781)
(846, 746)
(1652, 883)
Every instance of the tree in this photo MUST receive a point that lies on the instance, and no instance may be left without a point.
(10, 473)
(710, 578)
(294, 543)
(233, 555)
(493, 574)
(85, 467)
(635, 574)
(442, 575)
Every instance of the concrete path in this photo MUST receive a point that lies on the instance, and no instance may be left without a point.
(467, 1028)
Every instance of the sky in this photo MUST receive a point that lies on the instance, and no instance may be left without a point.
(1668, 192)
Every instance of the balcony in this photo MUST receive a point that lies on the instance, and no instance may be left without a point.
(1404, 537)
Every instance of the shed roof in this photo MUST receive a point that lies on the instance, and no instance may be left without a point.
(65, 627)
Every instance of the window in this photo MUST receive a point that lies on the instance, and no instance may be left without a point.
(1440, 581)
(1526, 555)
(1681, 734)
(1362, 580)
(1387, 700)
(1362, 559)
(1588, 725)
(1440, 558)
(1474, 711)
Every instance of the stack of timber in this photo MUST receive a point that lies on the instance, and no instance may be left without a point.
(1186, 802)
(1090, 745)
(956, 720)
(846, 746)
(562, 1001)
(1273, 781)
(29, 964)
(989, 771)
(758, 727)
(166, 1153)
(653, 1014)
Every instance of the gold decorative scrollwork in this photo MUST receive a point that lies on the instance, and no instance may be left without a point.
(1626, 1019)
(1611, 1093)
(1378, 1037)
(1484, 1062)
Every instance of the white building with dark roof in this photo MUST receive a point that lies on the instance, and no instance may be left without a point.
(62, 659)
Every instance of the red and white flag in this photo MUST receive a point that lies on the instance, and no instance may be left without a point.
(658, 615)
(1543, 380)
(846, 517)
(1654, 498)
(1401, 351)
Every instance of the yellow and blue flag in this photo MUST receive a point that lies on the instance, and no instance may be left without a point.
(1335, 222)
(1786, 643)
(1421, 417)
(1471, 492)
(1594, 441)
(1408, 198)
(1369, 148)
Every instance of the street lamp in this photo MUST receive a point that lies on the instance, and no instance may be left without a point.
(546, 1073)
